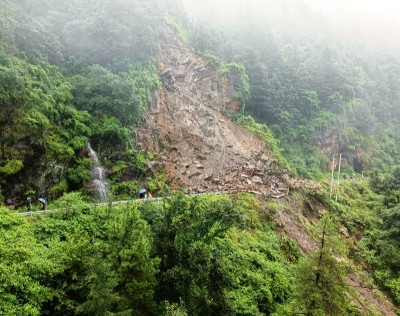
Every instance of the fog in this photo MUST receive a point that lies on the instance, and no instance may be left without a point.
(374, 23)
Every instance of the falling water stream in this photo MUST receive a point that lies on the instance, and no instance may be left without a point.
(97, 176)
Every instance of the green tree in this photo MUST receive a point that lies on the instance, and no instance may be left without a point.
(40, 128)
(389, 186)
(102, 257)
(24, 265)
(321, 286)
(218, 257)
(7, 21)
(382, 248)
(124, 95)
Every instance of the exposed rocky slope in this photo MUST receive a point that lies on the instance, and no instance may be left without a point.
(329, 141)
(200, 148)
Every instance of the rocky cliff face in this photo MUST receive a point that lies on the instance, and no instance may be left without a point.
(330, 141)
(201, 148)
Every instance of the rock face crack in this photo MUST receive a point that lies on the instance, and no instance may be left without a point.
(203, 150)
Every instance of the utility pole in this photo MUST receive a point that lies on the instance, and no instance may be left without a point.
(338, 177)
(333, 186)
(332, 178)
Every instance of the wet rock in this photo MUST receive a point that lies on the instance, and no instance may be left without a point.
(216, 180)
(344, 232)
(265, 158)
(155, 165)
(195, 174)
(128, 173)
(257, 180)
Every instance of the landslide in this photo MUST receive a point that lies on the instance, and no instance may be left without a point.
(201, 149)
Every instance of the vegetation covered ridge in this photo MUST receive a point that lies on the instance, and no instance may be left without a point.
(168, 103)
(184, 255)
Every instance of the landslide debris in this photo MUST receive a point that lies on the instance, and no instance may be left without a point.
(201, 149)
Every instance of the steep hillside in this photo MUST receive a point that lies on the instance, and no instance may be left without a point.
(200, 147)
(296, 216)
(90, 95)
(202, 150)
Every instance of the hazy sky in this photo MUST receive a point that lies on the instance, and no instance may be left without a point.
(370, 8)
(333, 8)
(372, 22)
(374, 12)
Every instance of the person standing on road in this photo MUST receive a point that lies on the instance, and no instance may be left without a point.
(43, 203)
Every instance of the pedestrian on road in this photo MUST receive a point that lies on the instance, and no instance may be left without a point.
(142, 193)
(43, 203)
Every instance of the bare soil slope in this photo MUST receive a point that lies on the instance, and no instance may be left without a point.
(200, 148)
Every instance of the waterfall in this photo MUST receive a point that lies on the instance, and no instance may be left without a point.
(97, 176)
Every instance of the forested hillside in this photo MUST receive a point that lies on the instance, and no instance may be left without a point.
(253, 109)
(186, 256)
(73, 72)
(319, 96)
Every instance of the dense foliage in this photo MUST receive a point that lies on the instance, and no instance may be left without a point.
(40, 127)
(219, 257)
(100, 32)
(369, 211)
(72, 73)
(202, 255)
(382, 242)
(24, 263)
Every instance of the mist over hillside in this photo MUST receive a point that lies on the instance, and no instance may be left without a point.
(375, 24)
(340, 56)
(268, 131)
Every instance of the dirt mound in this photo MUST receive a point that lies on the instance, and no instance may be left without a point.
(200, 148)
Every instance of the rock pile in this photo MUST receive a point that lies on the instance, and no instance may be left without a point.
(254, 176)
(200, 148)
